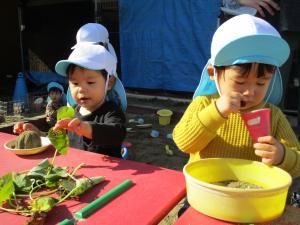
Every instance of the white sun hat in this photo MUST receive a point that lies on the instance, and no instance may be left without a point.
(94, 57)
(91, 33)
(94, 33)
(246, 39)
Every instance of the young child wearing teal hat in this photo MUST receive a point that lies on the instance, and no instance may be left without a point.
(56, 99)
(242, 75)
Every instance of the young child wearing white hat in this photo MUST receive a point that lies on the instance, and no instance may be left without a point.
(99, 124)
(242, 75)
(95, 33)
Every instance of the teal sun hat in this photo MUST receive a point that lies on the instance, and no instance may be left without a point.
(95, 57)
(55, 85)
(246, 39)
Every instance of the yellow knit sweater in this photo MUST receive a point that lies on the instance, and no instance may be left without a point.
(204, 133)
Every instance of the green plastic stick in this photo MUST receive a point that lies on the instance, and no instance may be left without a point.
(101, 201)
(67, 222)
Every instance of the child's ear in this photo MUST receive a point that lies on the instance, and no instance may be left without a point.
(210, 71)
(111, 82)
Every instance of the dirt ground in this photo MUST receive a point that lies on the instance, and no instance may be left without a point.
(146, 148)
(152, 150)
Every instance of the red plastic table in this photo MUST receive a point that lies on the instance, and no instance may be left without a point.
(155, 192)
(291, 216)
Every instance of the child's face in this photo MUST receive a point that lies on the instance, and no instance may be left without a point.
(252, 85)
(54, 95)
(87, 88)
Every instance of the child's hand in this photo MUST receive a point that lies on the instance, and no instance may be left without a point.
(81, 128)
(21, 127)
(229, 103)
(270, 150)
(18, 128)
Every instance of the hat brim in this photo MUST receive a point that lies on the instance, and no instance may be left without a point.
(207, 86)
(70, 101)
(251, 49)
(55, 85)
(62, 65)
(120, 90)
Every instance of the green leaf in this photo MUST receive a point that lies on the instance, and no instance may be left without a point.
(59, 139)
(80, 186)
(43, 204)
(40, 170)
(56, 174)
(67, 185)
(6, 187)
(51, 184)
(83, 184)
(22, 183)
(60, 171)
(65, 112)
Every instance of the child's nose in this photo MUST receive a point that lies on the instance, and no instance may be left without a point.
(249, 91)
(81, 88)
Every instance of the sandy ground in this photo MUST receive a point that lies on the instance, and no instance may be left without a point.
(152, 150)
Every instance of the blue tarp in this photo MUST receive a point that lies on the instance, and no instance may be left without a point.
(41, 78)
(165, 43)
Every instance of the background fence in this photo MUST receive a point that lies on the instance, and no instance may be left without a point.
(11, 111)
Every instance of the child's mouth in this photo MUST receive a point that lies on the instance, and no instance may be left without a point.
(243, 104)
(83, 100)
